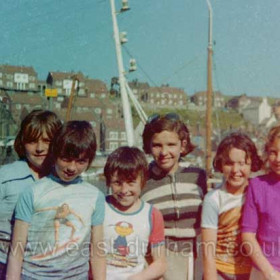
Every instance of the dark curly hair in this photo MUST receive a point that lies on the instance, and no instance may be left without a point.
(239, 141)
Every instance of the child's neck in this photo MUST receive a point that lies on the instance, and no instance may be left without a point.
(234, 190)
(126, 209)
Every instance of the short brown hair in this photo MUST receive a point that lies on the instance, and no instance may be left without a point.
(33, 126)
(128, 162)
(163, 123)
(239, 141)
(74, 139)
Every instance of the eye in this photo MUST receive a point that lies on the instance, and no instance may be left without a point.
(46, 140)
(155, 145)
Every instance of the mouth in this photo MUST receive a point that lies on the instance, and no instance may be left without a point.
(40, 156)
(69, 175)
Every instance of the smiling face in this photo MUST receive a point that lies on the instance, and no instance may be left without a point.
(274, 156)
(126, 193)
(36, 152)
(166, 148)
(236, 170)
(68, 169)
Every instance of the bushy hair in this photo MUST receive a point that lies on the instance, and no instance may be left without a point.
(273, 134)
(239, 141)
(75, 138)
(165, 124)
(33, 126)
(127, 163)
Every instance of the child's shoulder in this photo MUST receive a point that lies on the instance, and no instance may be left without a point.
(16, 169)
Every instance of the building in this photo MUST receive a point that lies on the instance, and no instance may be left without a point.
(200, 99)
(159, 97)
(257, 113)
(18, 78)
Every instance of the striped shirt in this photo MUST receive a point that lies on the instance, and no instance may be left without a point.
(179, 198)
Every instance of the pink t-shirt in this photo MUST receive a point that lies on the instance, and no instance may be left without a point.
(261, 215)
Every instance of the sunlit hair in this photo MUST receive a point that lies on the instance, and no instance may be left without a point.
(273, 134)
(32, 128)
(239, 141)
(165, 124)
(127, 163)
(74, 140)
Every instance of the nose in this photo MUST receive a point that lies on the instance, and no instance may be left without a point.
(163, 150)
(278, 157)
(235, 167)
(124, 187)
(39, 147)
(71, 166)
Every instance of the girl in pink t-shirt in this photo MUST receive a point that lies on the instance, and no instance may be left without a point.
(261, 223)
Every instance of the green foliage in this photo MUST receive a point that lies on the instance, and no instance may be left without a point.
(221, 119)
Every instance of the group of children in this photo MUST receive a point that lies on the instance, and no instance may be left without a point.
(54, 225)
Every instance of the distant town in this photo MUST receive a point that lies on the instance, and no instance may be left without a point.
(21, 91)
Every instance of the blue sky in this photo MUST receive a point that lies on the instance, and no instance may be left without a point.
(167, 38)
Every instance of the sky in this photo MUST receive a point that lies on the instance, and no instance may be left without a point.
(168, 39)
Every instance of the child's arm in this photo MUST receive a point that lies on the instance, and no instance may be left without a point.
(156, 269)
(255, 252)
(97, 254)
(209, 241)
(17, 250)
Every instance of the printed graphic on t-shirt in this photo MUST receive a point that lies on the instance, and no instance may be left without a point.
(121, 255)
(63, 216)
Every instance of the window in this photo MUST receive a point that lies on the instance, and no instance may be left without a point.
(81, 92)
(9, 84)
(92, 95)
(109, 111)
(113, 146)
(103, 95)
(123, 136)
(97, 110)
(18, 106)
(31, 78)
(113, 135)
(31, 85)
(67, 91)
(21, 86)
(93, 123)
(57, 105)
(58, 83)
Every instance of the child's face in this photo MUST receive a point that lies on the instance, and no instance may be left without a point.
(236, 170)
(166, 148)
(126, 193)
(68, 169)
(274, 156)
(36, 151)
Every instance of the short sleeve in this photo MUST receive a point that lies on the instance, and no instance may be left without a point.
(157, 232)
(97, 217)
(210, 212)
(250, 216)
(24, 207)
